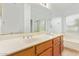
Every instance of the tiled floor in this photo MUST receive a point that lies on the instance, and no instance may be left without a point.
(70, 52)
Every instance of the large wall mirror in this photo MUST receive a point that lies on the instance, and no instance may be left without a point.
(22, 18)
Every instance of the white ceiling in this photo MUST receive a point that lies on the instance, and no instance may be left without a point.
(63, 9)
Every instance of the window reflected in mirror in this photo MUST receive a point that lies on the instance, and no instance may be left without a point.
(38, 25)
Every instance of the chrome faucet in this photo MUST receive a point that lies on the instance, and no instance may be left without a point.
(27, 37)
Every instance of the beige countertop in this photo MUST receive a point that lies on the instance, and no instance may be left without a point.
(16, 43)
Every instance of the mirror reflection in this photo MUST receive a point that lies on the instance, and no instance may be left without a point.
(20, 18)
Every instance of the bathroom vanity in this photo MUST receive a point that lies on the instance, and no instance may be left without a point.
(42, 49)
(40, 45)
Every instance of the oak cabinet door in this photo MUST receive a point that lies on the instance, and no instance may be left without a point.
(47, 52)
(43, 46)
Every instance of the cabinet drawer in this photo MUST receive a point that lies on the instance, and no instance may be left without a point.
(57, 41)
(47, 52)
(43, 46)
(25, 52)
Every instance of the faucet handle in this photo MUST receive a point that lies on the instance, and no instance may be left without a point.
(29, 36)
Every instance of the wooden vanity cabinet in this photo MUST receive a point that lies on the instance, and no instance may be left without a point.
(26, 52)
(52, 47)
